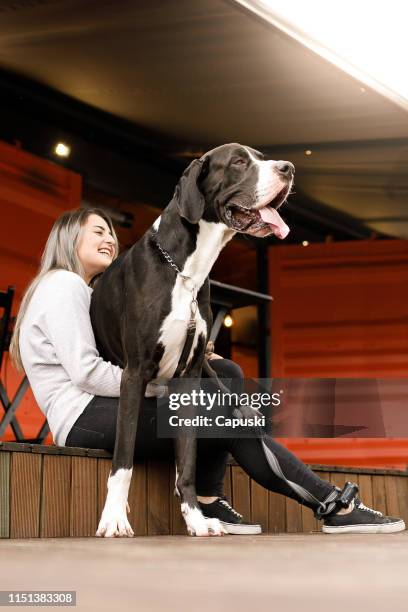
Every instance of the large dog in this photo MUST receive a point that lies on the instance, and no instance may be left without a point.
(145, 301)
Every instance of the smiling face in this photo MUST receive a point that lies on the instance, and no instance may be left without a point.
(96, 248)
(247, 190)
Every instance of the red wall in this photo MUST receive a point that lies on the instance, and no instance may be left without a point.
(341, 310)
(33, 193)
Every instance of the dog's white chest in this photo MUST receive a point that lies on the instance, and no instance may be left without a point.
(174, 329)
(210, 240)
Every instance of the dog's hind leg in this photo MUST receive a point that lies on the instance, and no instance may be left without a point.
(114, 522)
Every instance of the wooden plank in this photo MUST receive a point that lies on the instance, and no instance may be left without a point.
(391, 495)
(241, 495)
(365, 489)
(177, 523)
(52, 449)
(228, 483)
(138, 499)
(309, 523)
(55, 497)
(5, 495)
(379, 501)
(84, 515)
(158, 507)
(25, 495)
(259, 505)
(402, 490)
(276, 513)
(293, 516)
(339, 479)
(324, 476)
(103, 469)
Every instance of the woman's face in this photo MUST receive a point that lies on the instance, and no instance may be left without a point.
(96, 246)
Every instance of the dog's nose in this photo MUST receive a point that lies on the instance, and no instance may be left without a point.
(285, 168)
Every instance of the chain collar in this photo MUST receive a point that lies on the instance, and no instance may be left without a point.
(192, 288)
(166, 255)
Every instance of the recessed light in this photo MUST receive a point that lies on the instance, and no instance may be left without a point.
(305, 243)
(308, 152)
(62, 150)
(228, 321)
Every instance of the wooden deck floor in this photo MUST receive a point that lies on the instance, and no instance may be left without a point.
(285, 572)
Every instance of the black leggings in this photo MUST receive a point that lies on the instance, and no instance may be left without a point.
(96, 428)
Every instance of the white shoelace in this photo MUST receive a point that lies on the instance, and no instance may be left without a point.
(226, 504)
(361, 506)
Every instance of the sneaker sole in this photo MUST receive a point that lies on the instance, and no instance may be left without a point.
(237, 529)
(385, 528)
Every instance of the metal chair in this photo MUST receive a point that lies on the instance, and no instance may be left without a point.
(10, 405)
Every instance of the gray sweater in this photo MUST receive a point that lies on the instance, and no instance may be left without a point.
(59, 353)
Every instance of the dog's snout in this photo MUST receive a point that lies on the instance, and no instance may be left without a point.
(285, 168)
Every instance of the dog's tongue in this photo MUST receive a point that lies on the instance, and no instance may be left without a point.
(273, 218)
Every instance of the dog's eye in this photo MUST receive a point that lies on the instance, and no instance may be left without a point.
(239, 161)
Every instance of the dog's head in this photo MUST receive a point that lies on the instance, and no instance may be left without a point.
(234, 184)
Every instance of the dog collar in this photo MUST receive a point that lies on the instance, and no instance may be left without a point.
(190, 285)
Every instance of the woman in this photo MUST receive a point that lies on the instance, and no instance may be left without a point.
(79, 392)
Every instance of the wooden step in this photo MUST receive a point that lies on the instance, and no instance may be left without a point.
(53, 492)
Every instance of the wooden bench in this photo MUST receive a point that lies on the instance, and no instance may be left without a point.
(51, 491)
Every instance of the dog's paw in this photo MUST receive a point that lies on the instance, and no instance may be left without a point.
(198, 525)
(114, 524)
(215, 527)
(209, 528)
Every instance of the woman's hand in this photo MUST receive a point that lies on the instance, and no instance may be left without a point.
(209, 351)
(212, 356)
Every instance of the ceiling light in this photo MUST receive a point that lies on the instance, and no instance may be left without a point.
(305, 243)
(308, 152)
(365, 39)
(62, 150)
(228, 321)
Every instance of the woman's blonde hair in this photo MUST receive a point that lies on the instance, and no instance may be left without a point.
(60, 253)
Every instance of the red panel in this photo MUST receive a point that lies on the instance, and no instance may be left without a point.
(33, 193)
(341, 310)
(390, 453)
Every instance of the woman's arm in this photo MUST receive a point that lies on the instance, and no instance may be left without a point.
(69, 329)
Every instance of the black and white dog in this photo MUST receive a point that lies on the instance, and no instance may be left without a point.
(142, 305)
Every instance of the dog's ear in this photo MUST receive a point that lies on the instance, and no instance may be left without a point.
(189, 199)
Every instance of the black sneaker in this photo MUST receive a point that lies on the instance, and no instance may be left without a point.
(230, 519)
(362, 520)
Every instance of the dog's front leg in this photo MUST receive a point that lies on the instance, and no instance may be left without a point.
(185, 455)
(114, 520)
(196, 523)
